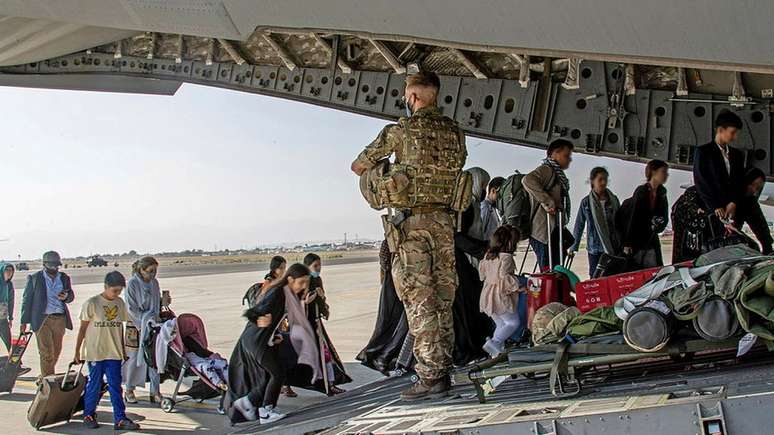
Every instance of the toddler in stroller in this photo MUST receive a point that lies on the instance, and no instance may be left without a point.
(178, 348)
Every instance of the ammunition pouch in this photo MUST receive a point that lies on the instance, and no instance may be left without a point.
(384, 186)
(463, 192)
(392, 233)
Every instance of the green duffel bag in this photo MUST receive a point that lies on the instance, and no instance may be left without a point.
(550, 322)
(599, 321)
(755, 304)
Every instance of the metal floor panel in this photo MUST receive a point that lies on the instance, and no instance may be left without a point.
(374, 407)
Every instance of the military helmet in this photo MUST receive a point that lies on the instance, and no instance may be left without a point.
(369, 181)
(52, 258)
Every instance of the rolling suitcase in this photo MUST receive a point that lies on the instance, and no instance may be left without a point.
(57, 398)
(9, 366)
(546, 287)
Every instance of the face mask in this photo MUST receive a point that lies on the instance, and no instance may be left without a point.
(315, 274)
(409, 110)
(51, 269)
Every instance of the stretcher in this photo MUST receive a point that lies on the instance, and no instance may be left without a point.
(567, 365)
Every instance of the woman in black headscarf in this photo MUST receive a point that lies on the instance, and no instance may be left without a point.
(255, 372)
(391, 329)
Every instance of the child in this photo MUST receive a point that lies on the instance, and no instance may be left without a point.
(100, 343)
(500, 295)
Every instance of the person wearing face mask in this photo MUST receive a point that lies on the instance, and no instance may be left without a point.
(143, 300)
(317, 309)
(422, 187)
(255, 371)
(44, 309)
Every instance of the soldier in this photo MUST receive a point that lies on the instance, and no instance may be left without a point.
(429, 151)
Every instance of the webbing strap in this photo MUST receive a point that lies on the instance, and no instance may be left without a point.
(559, 367)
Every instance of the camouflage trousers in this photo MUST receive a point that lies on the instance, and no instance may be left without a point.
(425, 280)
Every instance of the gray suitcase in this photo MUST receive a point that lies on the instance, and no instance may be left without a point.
(57, 398)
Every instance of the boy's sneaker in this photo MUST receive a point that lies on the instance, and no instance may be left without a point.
(126, 424)
(90, 422)
(245, 408)
(269, 415)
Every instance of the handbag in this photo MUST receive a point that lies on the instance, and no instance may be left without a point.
(726, 238)
(131, 337)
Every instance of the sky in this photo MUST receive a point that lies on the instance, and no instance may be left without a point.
(207, 168)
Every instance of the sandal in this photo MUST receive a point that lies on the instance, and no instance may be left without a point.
(288, 392)
(156, 398)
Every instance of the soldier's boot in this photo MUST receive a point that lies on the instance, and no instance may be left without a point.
(427, 389)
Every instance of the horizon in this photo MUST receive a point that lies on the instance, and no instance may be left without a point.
(209, 167)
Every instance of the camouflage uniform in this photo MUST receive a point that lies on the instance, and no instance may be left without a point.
(430, 148)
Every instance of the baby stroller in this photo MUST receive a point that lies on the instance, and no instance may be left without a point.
(178, 366)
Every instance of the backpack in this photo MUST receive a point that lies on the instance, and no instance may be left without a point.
(251, 295)
(515, 205)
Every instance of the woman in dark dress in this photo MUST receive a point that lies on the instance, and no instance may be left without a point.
(255, 374)
(381, 352)
(643, 216)
(317, 311)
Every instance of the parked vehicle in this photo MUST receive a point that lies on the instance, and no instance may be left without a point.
(96, 261)
(22, 266)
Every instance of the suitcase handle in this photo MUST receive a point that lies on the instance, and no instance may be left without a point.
(67, 373)
(24, 338)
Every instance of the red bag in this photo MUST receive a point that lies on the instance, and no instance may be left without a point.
(592, 294)
(543, 288)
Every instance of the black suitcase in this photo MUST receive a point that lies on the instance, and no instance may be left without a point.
(609, 265)
(9, 366)
(57, 398)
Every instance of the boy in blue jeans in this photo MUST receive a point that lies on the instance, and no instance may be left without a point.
(101, 343)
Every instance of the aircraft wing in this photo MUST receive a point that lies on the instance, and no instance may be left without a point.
(628, 79)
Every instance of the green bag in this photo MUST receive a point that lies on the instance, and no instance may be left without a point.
(599, 321)
(754, 306)
(550, 322)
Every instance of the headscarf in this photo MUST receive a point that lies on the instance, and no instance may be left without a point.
(480, 182)
(6, 290)
(563, 181)
(301, 334)
(606, 234)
